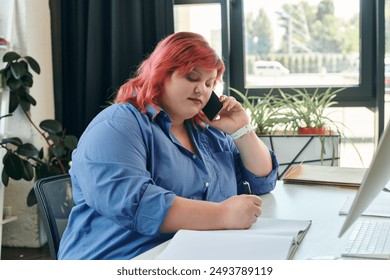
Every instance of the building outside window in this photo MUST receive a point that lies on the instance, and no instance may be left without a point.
(301, 43)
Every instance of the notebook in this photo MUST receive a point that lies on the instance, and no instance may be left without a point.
(325, 175)
(267, 239)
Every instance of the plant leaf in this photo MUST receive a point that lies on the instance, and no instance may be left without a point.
(18, 69)
(14, 101)
(41, 153)
(4, 177)
(33, 64)
(10, 56)
(59, 150)
(42, 170)
(14, 166)
(31, 198)
(12, 140)
(51, 126)
(28, 171)
(13, 83)
(30, 99)
(27, 81)
(24, 104)
(54, 137)
(70, 142)
(27, 150)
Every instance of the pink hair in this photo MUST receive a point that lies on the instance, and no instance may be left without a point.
(182, 51)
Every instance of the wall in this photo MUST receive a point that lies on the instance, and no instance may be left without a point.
(31, 35)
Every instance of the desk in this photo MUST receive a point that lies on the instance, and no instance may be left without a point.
(320, 204)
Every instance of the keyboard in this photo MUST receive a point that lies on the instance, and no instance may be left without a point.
(369, 239)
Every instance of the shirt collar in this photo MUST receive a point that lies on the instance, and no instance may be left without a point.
(152, 112)
(158, 115)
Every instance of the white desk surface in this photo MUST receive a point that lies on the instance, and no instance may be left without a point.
(321, 204)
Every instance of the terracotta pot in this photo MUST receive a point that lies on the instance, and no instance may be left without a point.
(312, 130)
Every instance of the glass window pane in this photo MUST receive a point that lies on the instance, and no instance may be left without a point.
(357, 124)
(204, 19)
(301, 43)
(387, 61)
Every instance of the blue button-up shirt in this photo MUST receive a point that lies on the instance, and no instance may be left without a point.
(127, 169)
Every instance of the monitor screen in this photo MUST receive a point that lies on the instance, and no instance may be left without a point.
(374, 181)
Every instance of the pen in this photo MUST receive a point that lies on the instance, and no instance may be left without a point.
(247, 187)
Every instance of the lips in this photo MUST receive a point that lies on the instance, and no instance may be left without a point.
(195, 100)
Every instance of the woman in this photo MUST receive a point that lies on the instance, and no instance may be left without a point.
(153, 163)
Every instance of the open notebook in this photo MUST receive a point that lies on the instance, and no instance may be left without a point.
(267, 239)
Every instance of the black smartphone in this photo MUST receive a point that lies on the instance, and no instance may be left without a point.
(213, 107)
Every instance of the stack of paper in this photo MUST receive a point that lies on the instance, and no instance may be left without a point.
(325, 175)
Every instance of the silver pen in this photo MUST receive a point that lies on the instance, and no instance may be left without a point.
(247, 187)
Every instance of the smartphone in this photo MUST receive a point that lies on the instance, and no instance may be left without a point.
(213, 107)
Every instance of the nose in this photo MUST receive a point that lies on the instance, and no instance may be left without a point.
(200, 88)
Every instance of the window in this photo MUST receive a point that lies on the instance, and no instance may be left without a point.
(309, 43)
(191, 17)
(303, 37)
(301, 43)
(210, 19)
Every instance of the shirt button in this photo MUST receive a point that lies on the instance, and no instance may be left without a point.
(194, 156)
(206, 184)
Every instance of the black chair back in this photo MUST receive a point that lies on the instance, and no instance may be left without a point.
(55, 201)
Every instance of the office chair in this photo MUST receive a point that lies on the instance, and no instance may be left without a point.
(55, 201)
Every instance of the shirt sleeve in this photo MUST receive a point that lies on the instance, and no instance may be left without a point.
(110, 165)
(259, 185)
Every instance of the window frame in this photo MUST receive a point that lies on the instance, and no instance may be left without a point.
(225, 32)
(363, 94)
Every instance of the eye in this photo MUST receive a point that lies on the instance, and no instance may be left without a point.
(192, 77)
(210, 84)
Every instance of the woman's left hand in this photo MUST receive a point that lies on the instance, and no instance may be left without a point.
(231, 117)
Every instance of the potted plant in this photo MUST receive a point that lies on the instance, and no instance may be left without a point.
(283, 114)
(24, 160)
(264, 111)
(305, 111)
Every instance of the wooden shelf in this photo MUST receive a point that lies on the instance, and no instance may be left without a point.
(8, 220)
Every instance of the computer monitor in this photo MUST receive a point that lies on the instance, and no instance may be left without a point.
(374, 181)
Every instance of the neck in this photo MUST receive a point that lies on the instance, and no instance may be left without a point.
(177, 127)
(179, 130)
(177, 123)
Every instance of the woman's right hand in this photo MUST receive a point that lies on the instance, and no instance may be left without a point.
(240, 211)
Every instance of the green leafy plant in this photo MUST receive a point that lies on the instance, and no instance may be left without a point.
(305, 109)
(265, 112)
(288, 113)
(24, 160)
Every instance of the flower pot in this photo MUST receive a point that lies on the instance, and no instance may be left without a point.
(312, 130)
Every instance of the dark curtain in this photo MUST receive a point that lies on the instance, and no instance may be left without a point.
(97, 45)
